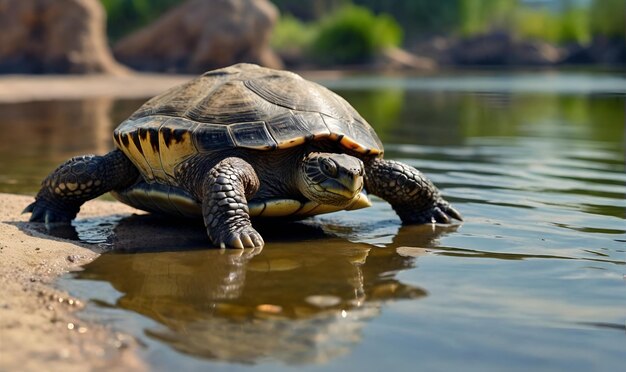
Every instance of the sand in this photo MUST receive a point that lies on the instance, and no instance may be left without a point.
(39, 327)
(23, 88)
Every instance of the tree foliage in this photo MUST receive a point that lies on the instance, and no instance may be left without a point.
(418, 17)
(292, 35)
(125, 16)
(608, 18)
(353, 34)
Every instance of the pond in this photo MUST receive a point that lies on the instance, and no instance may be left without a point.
(532, 279)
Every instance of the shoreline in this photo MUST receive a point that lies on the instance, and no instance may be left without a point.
(139, 85)
(39, 325)
(27, 88)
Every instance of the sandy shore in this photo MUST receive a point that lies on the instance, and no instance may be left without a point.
(22, 88)
(39, 330)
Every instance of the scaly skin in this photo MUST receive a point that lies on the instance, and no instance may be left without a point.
(77, 180)
(227, 187)
(413, 196)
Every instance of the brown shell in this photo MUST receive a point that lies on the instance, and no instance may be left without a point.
(241, 106)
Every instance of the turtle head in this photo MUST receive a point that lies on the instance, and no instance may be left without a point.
(330, 178)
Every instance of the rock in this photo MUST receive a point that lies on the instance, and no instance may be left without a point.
(535, 53)
(495, 48)
(54, 36)
(201, 35)
(499, 48)
(400, 59)
(438, 48)
(601, 50)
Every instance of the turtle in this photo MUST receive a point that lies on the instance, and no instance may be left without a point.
(240, 142)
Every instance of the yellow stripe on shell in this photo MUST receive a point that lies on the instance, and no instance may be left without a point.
(172, 154)
(135, 155)
(151, 154)
(291, 143)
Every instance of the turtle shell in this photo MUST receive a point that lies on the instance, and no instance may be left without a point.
(242, 106)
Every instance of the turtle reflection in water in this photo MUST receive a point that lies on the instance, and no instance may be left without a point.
(240, 142)
(247, 307)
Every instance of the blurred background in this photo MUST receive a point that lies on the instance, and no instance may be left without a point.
(43, 36)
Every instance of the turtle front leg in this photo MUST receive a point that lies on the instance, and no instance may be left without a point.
(77, 180)
(227, 187)
(413, 196)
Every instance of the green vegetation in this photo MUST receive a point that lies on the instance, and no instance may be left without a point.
(567, 22)
(418, 17)
(354, 34)
(569, 26)
(608, 18)
(479, 16)
(351, 34)
(564, 21)
(292, 36)
(125, 16)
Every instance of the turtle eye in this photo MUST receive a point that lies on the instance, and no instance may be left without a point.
(329, 167)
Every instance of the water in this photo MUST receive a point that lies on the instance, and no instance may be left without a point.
(533, 279)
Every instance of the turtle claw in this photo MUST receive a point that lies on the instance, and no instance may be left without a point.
(29, 208)
(445, 212)
(236, 243)
(247, 241)
(43, 212)
(38, 214)
(439, 212)
(440, 216)
(246, 237)
(453, 213)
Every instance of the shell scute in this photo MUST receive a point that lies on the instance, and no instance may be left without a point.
(363, 136)
(230, 103)
(297, 94)
(212, 137)
(252, 135)
(338, 128)
(313, 123)
(139, 140)
(287, 130)
(176, 145)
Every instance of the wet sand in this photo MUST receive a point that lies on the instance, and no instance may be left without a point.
(39, 327)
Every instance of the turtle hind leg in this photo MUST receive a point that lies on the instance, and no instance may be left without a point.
(77, 180)
(413, 196)
(225, 191)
